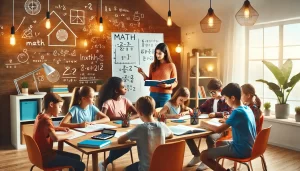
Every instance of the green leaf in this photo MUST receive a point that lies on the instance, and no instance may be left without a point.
(285, 85)
(273, 86)
(286, 69)
(275, 71)
(263, 81)
(294, 80)
(278, 93)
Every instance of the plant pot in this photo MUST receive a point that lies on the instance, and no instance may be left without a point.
(24, 90)
(297, 117)
(98, 87)
(267, 112)
(282, 111)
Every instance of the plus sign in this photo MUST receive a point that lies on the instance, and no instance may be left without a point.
(32, 6)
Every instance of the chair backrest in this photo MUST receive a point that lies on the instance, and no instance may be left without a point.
(33, 151)
(261, 142)
(261, 121)
(168, 157)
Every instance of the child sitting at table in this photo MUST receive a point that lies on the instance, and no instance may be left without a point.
(44, 135)
(82, 110)
(148, 136)
(177, 106)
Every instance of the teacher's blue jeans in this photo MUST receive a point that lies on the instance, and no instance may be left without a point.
(160, 98)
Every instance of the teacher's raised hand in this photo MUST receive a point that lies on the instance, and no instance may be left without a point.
(140, 70)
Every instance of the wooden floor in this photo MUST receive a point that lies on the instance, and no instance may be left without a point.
(278, 159)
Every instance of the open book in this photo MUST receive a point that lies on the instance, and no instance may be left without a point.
(201, 116)
(77, 134)
(182, 130)
(156, 82)
(95, 128)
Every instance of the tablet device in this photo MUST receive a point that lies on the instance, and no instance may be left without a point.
(106, 134)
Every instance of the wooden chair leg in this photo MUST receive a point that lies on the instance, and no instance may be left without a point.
(131, 156)
(87, 162)
(104, 155)
(235, 166)
(199, 143)
(81, 157)
(223, 161)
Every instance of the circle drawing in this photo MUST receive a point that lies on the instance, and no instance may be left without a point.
(62, 35)
(32, 7)
(53, 77)
(23, 57)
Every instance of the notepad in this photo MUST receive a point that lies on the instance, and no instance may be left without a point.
(215, 121)
(156, 82)
(94, 143)
(95, 128)
(77, 134)
(182, 130)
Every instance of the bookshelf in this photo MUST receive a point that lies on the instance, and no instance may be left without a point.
(201, 69)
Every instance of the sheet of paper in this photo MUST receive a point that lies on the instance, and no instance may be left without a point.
(96, 127)
(77, 134)
(136, 121)
(181, 118)
(118, 134)
(214, 121)
(203, 116)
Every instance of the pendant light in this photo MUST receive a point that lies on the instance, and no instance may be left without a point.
(178, 49)
(210, 23)
(101, 20)
(85, 43)
(247, 15)
(12, 30)
(169, 21)
(48, 24)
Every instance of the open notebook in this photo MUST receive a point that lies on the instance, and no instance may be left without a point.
(77, 134)
(202, 116)
(215, 121)
(95, 128)
(182, 130)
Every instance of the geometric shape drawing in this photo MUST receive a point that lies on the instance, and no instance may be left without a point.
(27, 33)
(62, 35)
(23, 57)
(32, 7)
(53, 77)
(77, 17)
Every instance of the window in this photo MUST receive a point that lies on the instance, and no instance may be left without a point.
(275, 43)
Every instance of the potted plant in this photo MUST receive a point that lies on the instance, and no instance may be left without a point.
(99, 84)
(24, 88)
(297, 116)
(283, 87)
(267, 107)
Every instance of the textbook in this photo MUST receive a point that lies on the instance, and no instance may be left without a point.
(182, 130)
(93, 143)
(95, 128)
(156, 82)
(77, 134)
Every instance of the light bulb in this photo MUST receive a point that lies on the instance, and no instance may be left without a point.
(85, 43)
(169, 21)
(210, 68)
(178, 49)
(12, 40)
(101, 27)
(246, 13)
(210, 21)
(48, 23)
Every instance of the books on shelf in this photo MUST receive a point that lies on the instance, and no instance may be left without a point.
(95, 128)
(182, 130)
(156, 82)
(59, 89)
(77, 134)
(201, 92)
(94, 143)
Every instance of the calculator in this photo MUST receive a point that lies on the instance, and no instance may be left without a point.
(106, 134)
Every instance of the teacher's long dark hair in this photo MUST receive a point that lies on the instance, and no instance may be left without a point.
(163, 48)
(108, 90)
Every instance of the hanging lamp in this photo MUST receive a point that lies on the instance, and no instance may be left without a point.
(101, 19)
(169, 21)
(178, 49)
(12, 29)
(210, 23)
(247, 15)
(48, 24)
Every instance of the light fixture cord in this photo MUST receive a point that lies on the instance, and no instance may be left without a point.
(13, 12)
(169, 4)
(48, 5)
(210, 4)
(101, 8)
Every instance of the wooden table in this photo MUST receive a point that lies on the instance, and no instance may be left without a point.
(114, 145)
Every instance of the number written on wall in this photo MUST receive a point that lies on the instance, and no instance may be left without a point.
(69, 71)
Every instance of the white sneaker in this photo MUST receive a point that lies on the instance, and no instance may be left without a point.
(101, 167)
(201, 167)
(194, 161)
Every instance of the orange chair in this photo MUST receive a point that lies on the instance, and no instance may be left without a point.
(261, 121)
(35, 156)
(161, 160)
(259, 147)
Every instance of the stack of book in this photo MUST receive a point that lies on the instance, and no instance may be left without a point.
(59, 89)
(201, 92)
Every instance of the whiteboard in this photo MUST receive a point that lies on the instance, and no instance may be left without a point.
(130, 50)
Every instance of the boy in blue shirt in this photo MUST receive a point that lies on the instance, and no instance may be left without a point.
(242, 122)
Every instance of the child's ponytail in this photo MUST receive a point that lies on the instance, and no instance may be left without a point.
(75, 97)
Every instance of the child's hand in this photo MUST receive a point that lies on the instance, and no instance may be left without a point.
(83, 124)
(222, 120)
(177, 116)
(64, 129)
(212, 115)
(181, 114)
(90, 123)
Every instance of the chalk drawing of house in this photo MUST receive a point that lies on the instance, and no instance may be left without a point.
(61, 34)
